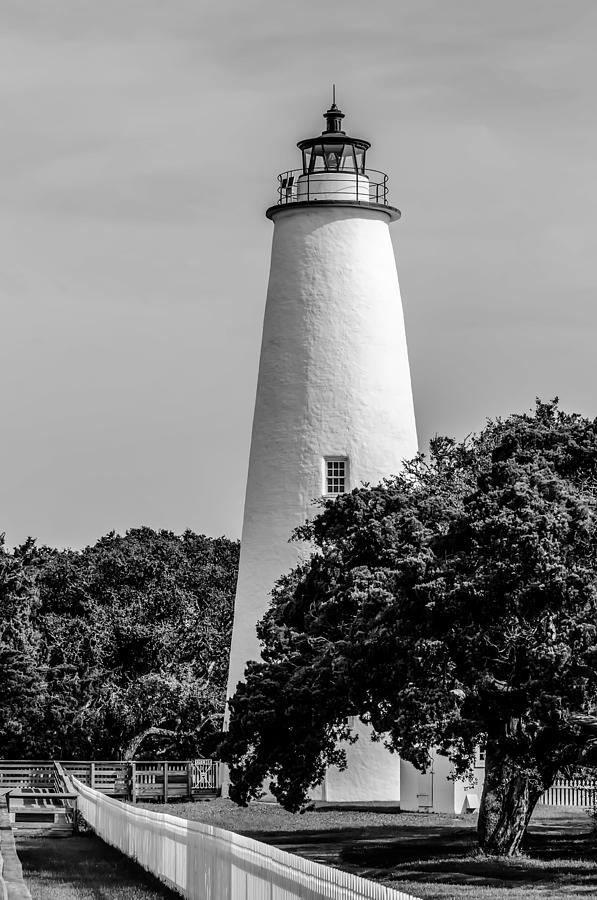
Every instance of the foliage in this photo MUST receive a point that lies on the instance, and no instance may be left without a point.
(132, 638)
(452, 605)
(21, 681)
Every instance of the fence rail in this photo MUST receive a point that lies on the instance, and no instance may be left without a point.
(146, 780)
(202, 862)
(571, 792)
(24, 773)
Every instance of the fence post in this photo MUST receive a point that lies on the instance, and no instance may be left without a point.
(134, 782)
(165, 782)
(189, 781)
(92, 775)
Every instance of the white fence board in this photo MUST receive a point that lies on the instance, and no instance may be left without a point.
(202, 862)
(570, 792)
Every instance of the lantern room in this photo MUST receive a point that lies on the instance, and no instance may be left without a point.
(333, 151)
(334, 170)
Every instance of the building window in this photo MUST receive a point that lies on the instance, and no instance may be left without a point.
(335, 475)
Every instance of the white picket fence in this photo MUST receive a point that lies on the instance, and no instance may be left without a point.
(570, 792)
(202, 862)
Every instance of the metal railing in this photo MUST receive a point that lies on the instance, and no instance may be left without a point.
(367, 186)
(204, 774)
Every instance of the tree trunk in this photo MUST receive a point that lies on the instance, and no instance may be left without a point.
(509, 797)
(131, 749)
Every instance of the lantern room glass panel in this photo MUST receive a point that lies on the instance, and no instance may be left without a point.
(359, 159)
(333, 157)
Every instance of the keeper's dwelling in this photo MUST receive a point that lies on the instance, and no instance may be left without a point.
(437, 790)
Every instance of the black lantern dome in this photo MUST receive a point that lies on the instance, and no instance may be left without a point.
(333, 150)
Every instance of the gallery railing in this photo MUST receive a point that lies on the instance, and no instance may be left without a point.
(367, 186)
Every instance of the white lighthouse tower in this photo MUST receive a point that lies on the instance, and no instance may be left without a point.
(334, 403)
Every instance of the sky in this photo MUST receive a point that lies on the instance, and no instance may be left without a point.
(141, 141)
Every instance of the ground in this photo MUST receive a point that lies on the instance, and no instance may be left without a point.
(429, 856)
(84, 868)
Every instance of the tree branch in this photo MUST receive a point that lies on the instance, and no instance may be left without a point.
(136, 742)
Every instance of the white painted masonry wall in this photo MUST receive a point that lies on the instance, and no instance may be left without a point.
(372, 773)
(334, 380)
(438, 790)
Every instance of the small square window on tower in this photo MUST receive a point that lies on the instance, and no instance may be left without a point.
(335, 480)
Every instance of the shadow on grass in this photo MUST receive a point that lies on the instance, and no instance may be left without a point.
(554, 859)
(560, 856)
(427, 855)
(552, 843)
(84, 868)
(373, 848)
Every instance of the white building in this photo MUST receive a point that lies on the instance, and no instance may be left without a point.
(334, 403)
(437, 790)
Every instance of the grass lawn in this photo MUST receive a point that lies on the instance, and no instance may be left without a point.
(429, 856)
(84, 868)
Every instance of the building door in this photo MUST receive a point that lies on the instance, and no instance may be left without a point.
(425, 790)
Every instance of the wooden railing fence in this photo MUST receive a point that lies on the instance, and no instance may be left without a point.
(46, 803)
(168, 780)
(24, 773)
(147, 780)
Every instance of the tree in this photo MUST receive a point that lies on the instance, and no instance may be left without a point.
(21, 681)
(451, 606)
(134, 636)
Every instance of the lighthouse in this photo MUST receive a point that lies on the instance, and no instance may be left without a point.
(334, 404)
